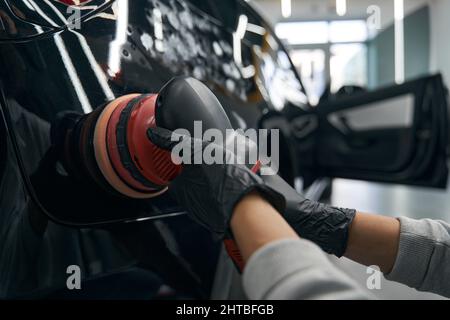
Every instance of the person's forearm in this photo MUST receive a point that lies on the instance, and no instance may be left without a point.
(408, 251)
(279, 265)
(256, 223)
(374, 240)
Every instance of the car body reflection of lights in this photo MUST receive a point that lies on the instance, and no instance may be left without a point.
(159, 34)
(29, 5)
(115, 49)
(67, 61)
(87, 51)
(237, 38)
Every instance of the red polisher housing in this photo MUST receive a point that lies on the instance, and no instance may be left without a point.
(139, 163)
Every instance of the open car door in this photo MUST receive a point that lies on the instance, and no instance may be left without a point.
(397, 134)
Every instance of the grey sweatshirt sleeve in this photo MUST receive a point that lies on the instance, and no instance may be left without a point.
(297, 269)
(423, 259)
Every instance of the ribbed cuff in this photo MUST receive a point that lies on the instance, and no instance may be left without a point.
(414, 253)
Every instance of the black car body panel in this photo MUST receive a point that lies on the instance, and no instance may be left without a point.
(48, 66)
(122, 53)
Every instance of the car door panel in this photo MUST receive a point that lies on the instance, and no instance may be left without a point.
(397, 134)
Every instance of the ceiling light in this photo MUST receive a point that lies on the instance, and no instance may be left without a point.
(286, 8)
(341, 7)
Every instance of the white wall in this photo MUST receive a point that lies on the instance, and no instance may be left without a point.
(326, 9)
(440, 40)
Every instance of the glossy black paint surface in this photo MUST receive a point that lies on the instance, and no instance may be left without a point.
(14, 28)
(126, 47)
(54, 13)
(137, 46)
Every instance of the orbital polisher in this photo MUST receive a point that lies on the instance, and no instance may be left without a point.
(110, 145)
(111, 149)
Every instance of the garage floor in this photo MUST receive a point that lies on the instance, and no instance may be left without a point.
(390, 200)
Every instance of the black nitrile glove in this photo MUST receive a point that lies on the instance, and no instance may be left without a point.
(210, 192)
(322, 224)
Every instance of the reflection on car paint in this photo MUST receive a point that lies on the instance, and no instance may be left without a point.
(203, 45)
(132, 46)
(13, 27)
(38, 12)
(190, 38)
(147, 44)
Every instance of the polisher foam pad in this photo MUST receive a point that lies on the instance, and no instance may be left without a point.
(115, 154)
(102, 156)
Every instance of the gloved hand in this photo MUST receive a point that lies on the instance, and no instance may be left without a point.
(210, 192)
(322, 224)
